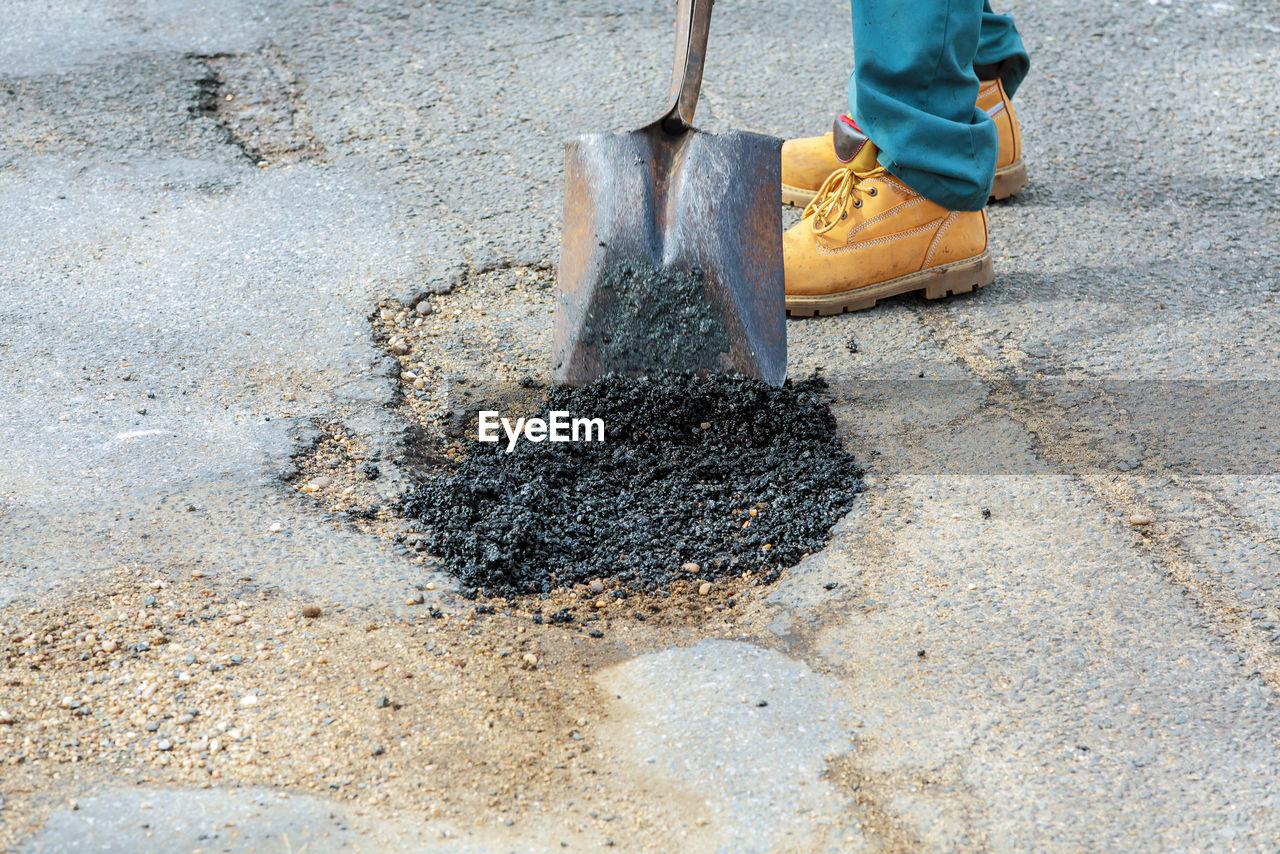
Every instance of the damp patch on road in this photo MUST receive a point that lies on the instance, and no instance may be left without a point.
(697, 478)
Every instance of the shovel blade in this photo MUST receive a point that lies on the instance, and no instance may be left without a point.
(671, 256)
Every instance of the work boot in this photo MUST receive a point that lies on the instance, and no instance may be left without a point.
(1011, 175)
(807, 162)
(866, 236)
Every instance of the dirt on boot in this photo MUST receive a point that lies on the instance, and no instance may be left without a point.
(698, 477)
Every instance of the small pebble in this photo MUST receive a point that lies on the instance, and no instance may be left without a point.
(1140, 519)
(423, 308)
(597, 586)
(377, 665)
(691, 567)
(311, 611)
(704, 588)
(249, 700)
(236, 619)
(276, 528)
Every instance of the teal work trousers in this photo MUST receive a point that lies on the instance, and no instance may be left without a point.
(913, 89)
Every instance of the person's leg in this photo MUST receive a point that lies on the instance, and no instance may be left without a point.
(1000, 51)
(913, 93)
(807, 161)
(902, 210)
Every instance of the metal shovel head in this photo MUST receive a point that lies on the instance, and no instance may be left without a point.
(671, 256)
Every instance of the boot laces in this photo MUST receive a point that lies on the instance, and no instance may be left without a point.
(834, 196)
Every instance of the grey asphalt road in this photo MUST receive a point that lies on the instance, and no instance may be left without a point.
(1004, 661)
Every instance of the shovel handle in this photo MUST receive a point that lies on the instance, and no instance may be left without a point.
(693, 21)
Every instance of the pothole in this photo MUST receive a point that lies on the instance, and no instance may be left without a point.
(703, 488)
(339, 469)
(473, 340)
(257, 101)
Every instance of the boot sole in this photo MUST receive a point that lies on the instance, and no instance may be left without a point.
(1009, 181)
(958, 277)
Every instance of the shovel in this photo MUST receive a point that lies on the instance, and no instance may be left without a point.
(671, 252)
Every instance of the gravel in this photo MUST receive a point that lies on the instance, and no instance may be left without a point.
(472, 696)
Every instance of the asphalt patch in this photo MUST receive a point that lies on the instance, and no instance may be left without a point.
(728, 473)
(641, 318)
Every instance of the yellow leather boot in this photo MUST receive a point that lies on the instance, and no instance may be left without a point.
(1011, 174)
(866, 236)
(807, 162)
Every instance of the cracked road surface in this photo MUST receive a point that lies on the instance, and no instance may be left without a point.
(1051, 622)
